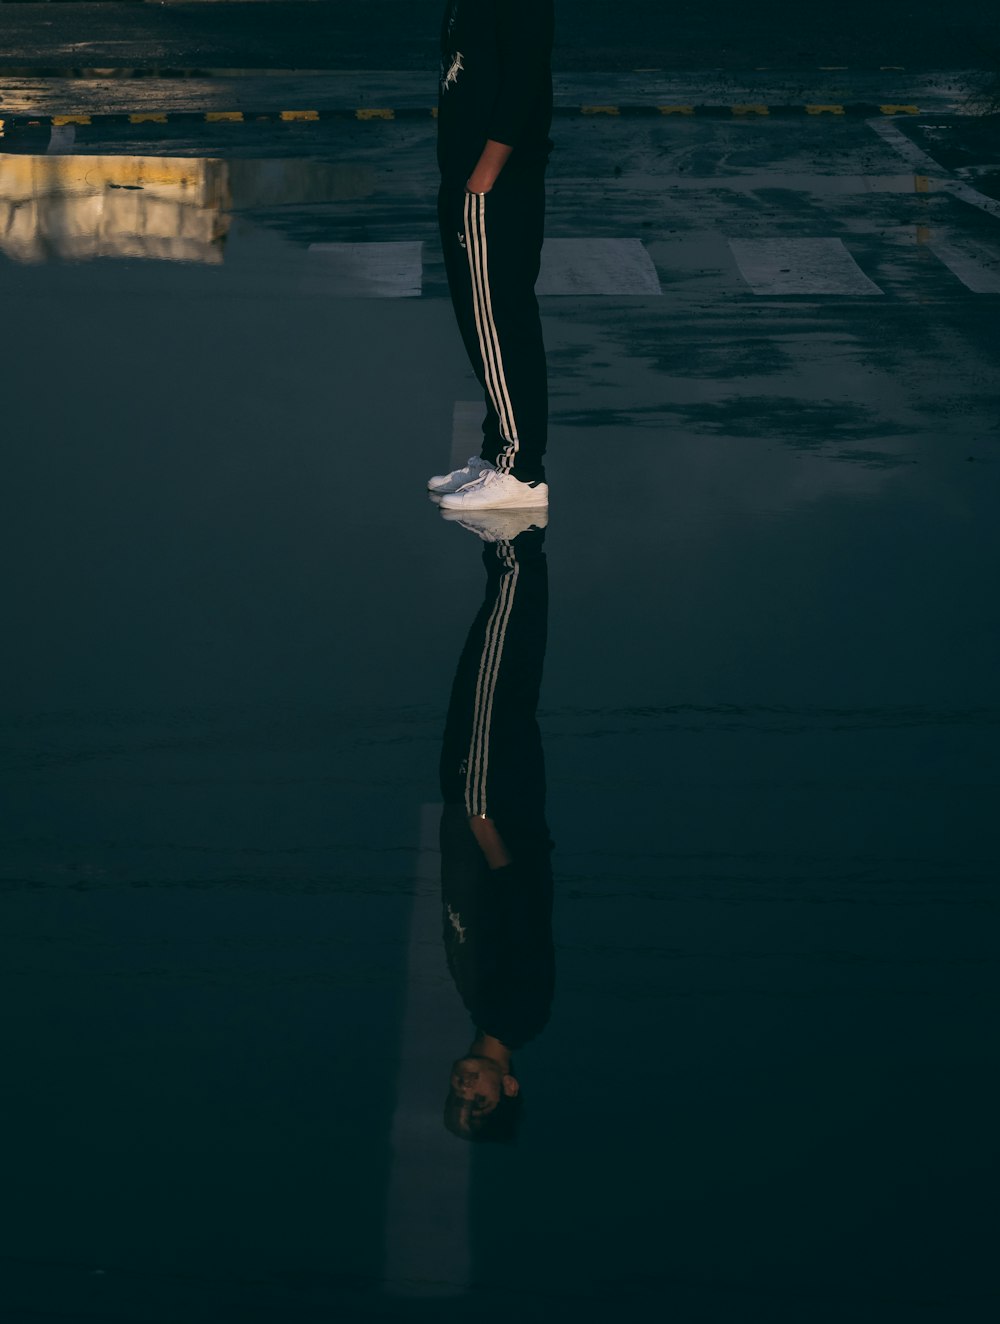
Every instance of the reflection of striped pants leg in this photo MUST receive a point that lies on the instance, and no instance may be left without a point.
(492, 245)
(491, 756)
(491, 659)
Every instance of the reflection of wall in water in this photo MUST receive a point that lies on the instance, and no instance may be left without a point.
(167, 208)
(79, 207)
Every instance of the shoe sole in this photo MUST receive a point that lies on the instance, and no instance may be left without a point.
(517, 503)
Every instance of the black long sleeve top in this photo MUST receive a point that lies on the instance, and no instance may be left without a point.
(496, 82)
(497, 926)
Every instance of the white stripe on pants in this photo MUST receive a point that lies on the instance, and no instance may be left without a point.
(486, 683)
(489, 339)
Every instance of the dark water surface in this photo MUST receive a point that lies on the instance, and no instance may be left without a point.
(768, 710)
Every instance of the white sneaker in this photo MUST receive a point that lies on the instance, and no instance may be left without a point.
(497, 525)
(474, 468)
(492, 489)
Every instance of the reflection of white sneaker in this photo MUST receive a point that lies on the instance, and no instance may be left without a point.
(492, 489)
(498, 525)
(474, 468)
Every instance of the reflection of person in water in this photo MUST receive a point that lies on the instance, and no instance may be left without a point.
(496, 872)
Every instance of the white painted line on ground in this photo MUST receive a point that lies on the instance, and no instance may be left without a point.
(369, 271)
(926, 165)
(973, 197)
(800, 266)
(426, 1213)
(818, 185)
(906, 148)
(466, 430)
(596, 266)
(975, 265)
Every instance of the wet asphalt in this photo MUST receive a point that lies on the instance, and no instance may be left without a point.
(768, 712)
(402, 34)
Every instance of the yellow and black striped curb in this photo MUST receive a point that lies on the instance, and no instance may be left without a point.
(382, 113)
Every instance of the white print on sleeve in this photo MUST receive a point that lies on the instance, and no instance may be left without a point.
(450, 78)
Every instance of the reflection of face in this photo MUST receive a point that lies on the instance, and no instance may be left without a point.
(480, 1082)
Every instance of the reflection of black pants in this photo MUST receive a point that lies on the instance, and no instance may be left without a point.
(491, 758)
(492, 247)
(498, 922)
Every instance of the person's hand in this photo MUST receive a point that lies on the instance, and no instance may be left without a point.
(490, 842)
(487, 168)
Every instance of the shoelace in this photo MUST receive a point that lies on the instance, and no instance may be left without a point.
(487, 476)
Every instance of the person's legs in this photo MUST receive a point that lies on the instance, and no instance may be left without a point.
(503, 233)
(451, 222)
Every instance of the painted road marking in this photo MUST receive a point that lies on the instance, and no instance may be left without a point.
(380, 113)
(800, 266)
(466, 430)
(369, 271)
(427, 1246)
(920, 160)
(224, 117)
(676, 110)
(287, 115)
(596, 266)
(975, 265)
(610, 267)
(812, 183)
(750, 110)
(569, 267)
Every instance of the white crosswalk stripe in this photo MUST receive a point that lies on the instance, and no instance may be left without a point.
(426, 1219)
(596, 266)
(975, 265)
(368, 271)
(605, 267)
(569, 267)
(800, 266)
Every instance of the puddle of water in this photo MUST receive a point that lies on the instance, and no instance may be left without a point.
(233, 623)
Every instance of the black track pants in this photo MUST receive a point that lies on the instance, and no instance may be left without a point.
(492, 248)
